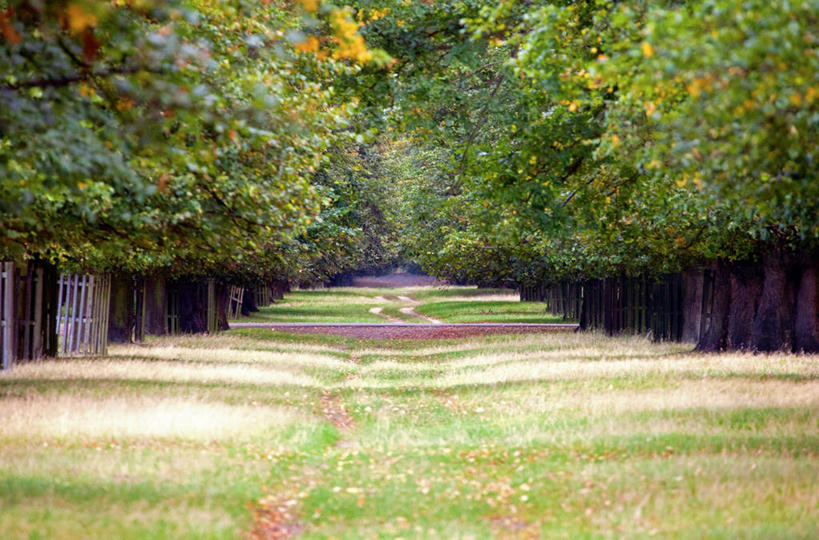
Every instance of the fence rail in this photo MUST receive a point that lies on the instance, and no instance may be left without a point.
(82, 314)
(236, 296)
(263, 296)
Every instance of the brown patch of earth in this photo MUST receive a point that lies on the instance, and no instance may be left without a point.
(334, 411)
(399, 279)
(275, 519)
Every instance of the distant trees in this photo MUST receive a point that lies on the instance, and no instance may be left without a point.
(517, 143)
(567, 141)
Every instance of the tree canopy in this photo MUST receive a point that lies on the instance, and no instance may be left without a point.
(488, 142)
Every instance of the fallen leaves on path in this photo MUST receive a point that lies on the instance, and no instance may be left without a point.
(275, 519)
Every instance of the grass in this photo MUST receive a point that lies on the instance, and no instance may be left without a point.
(488, 311)
(508, 436)
(445, 304)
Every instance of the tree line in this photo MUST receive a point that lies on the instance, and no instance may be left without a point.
(573, 142)
(516, 144)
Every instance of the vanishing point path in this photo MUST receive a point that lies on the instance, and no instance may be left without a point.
(397, 328)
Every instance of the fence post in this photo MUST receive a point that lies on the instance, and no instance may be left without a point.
(7, 312)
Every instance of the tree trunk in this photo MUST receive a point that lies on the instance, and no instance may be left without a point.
(249, 301)
(715, 336)
(806, 325)
(279, 287)
(772, 321)
(746, 288)
(222, 305)
(692, 304)
(156, 297)
(193, 316)
(120, 313)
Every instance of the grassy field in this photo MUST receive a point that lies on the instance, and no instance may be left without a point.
(542, 435)
(449, 304)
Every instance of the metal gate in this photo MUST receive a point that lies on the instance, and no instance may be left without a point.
(82, 314)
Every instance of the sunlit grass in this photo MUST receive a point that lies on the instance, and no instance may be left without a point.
(447, 304)
(65, 417)
(510, 436)
(475, 310)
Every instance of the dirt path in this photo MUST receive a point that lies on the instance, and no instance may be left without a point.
(277, 517)
(412, 313)
(379, 311)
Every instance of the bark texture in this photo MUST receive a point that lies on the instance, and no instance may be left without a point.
(120, 312)
(222, 305)
(806, 324)
(772, 322)
(692, 304)
(715, 336)
(746, 288)
(193, 317)
(249, 301)
(156, 296)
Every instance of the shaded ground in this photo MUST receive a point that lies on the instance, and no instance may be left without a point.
(399, 279)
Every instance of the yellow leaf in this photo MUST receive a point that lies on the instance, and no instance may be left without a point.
(310, 5)
(78, 18)
(87, 91)
(309, 45)
(648, 50)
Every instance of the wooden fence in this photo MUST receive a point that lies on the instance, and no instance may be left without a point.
(235, 307)
(82, 314)
(264, 297)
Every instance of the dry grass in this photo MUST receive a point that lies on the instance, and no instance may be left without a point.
(295, 359)
(502, 436)
(136, 417)
(598, 345)
(161, 371)
(219, 341)
(51, 518)
(558, 365)
(687, 394)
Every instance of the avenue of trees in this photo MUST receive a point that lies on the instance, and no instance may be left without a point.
(563, 141)
(503, 143)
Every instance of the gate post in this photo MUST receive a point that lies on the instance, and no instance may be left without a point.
(7, 313)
